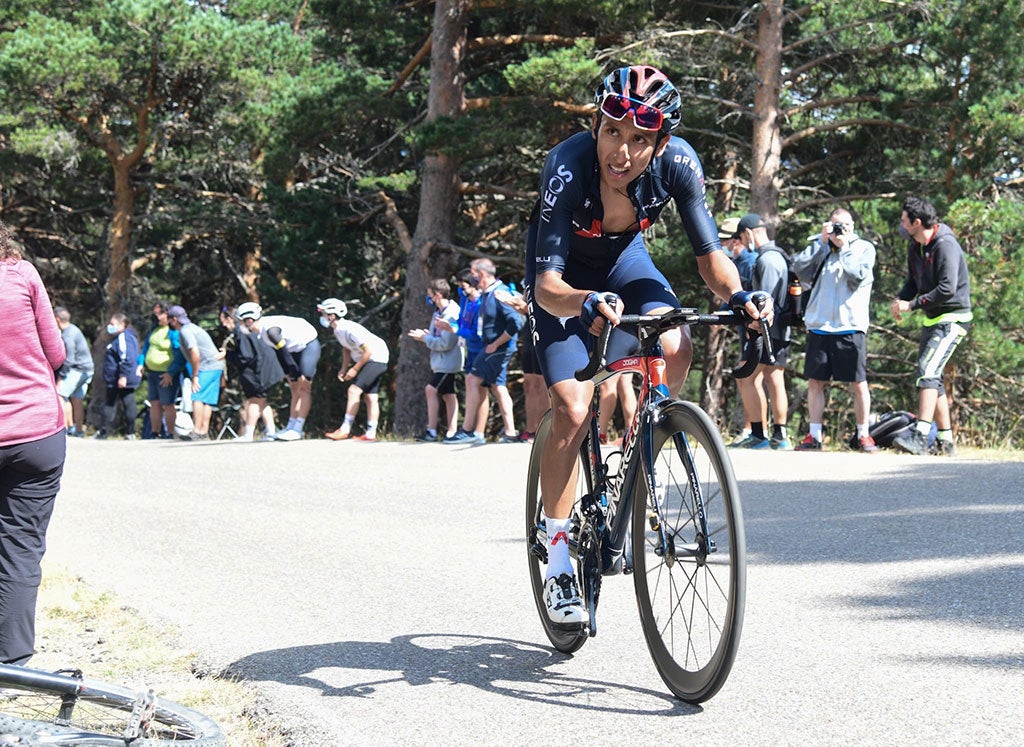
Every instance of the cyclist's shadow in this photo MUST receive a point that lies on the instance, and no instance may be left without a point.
(499, 665)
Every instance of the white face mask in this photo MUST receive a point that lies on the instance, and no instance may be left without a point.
(324, 322)
(112, 330)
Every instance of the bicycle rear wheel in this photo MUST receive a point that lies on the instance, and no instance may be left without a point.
(690, 588)
(566, 641)
(58, 709)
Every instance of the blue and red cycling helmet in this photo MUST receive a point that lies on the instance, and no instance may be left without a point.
(642, 92)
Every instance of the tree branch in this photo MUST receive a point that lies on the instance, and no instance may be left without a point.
(412, 65)
(844, 124)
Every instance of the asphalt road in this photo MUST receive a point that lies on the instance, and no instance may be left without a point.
(377, 594)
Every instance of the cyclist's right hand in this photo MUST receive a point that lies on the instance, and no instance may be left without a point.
(755, 305)
(597, 308)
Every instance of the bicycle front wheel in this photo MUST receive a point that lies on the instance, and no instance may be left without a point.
(58, 709)
(690, 582)
(566, 641)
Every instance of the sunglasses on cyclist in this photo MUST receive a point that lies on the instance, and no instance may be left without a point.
(645, 117)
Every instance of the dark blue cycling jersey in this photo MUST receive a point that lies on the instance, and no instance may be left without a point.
(569, 211)
(566, 236)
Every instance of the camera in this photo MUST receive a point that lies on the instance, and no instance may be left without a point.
(838, 229)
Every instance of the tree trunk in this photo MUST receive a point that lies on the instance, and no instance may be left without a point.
(439, 200)
(120, 239)
(767, 137)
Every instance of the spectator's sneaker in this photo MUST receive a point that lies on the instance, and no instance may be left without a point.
(942, 448)
(267, 437)
(526, 437)
(562, 599)
(867, 445)
(288, 435)
(426, 438)
(735, 443)
(602, 438)
(809, 444)
(100, 435)
(364, 437)
(460, 436)
(336, 435)
(912, 442)
(474, 440)
(193, 436)
(780, 444)
(754, 442)
(506, 439)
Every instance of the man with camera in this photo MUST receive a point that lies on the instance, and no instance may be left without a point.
(840, 266)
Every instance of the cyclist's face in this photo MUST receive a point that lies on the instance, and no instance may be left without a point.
(624, 150)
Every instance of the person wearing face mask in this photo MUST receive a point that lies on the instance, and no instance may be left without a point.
(771, 275)
(839, 266)
(364, 359)
(120, 375)
(938, 284)
(445, 359)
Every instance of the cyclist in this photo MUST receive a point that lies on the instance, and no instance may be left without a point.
(587, 264)
(298, 351)
(364, 359)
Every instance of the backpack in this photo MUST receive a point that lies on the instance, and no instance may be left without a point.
(791, 313)
(890, 425)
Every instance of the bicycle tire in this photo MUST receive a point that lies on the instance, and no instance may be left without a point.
(691, 607)
(60, 709)
(566, 641)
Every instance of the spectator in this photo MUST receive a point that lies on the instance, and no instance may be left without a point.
(199, 357)
(158, 352)
(120, 376)
(298, 351)
(75, 375)
(364, 359)
(618, 391)
(839, 267)
(771, 274)
(258, 370)
(938, 284)
(498, 326)
(467, 330)
(535, 391)
(744, 259)
(32, 444)
(446, 359)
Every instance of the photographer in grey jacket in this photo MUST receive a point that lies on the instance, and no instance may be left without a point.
(840, 265)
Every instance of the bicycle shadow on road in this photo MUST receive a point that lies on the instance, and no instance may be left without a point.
(496, 665)
(953, 526)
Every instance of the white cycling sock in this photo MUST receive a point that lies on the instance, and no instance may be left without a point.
(371, 430)
(559, 561)
(816, 431)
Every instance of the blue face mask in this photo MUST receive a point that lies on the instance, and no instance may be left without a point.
(112, 330)
(462, 293)
(904, 233)
(324, 322)
(430, 302)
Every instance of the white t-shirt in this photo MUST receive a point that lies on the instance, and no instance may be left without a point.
(295, 331)
(353, 337)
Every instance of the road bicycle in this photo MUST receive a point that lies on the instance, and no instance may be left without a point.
(672, 483)
(65, 708)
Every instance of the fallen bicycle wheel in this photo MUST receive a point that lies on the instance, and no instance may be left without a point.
(63, 708)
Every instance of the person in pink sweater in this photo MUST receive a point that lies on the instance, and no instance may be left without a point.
(32, 442)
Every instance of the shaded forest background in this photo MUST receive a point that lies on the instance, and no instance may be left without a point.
(212, 152)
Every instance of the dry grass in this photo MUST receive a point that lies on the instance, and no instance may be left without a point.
(79, 627)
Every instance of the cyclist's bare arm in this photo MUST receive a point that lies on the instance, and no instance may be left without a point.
(558, 298)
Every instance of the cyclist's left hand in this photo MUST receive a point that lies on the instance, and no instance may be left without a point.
(749, 301)
(599, 307)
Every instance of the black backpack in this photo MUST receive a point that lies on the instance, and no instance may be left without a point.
(890, 425)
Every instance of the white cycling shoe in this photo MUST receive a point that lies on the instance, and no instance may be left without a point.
(562, 599)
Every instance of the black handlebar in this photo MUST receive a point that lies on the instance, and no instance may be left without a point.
(653, 325)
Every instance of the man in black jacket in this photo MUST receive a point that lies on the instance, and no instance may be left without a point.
(937, 284)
